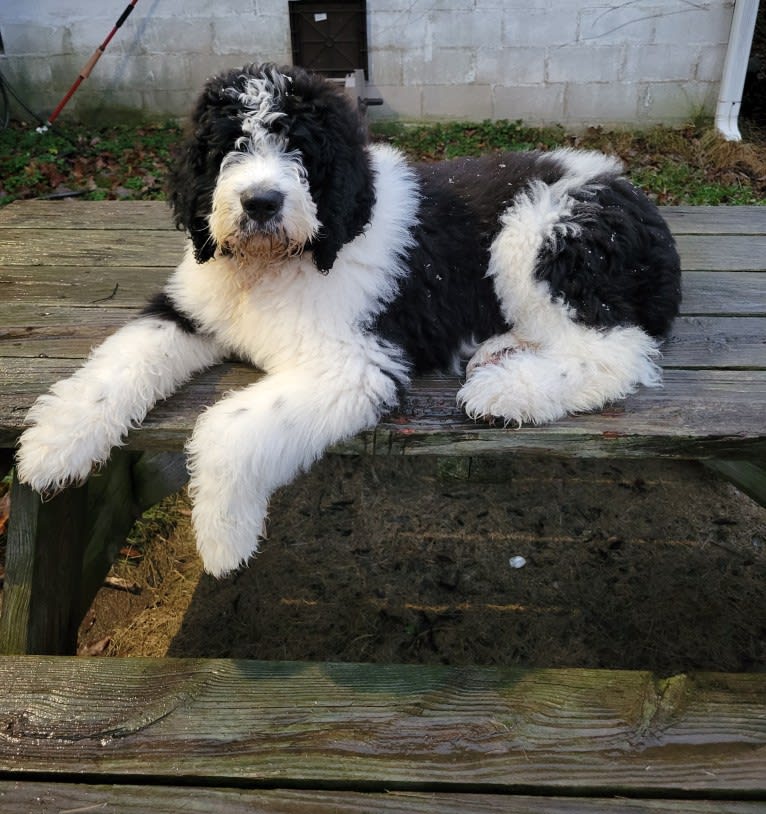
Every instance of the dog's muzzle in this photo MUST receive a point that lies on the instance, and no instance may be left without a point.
(262, 206)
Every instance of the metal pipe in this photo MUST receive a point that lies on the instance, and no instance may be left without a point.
(735, 69)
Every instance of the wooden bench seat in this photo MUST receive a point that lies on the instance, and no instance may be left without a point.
(203, 735)
(71, 272)
(178, 735)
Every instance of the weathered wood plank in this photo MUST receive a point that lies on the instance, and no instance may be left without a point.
(727, 293)
(716, 342)
(46, 541)
(722, 252)
(64, 247)
(22, 797)
(716, 220)
(77, 215)
(386, 727)
(747, 476)
(22, 247)
(696, 414)
(66, 331)
(130, 247)
(85, 285)
(60, 550)
(133, 215)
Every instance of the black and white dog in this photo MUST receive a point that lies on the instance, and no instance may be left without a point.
(340, 270)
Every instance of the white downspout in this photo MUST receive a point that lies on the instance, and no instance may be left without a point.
(735, 68)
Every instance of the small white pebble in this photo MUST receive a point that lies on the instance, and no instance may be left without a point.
(517, 562)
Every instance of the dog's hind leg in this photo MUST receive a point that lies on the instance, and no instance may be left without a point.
(260, 438)
(550, 363)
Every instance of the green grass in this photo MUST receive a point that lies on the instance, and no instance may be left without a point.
(687, 165)
(115, 162)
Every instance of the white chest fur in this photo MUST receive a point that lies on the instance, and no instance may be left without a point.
(289, 313)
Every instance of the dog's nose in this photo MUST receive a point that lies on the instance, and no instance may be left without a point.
(262, 205)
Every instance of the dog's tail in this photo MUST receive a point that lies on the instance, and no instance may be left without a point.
(571, 265)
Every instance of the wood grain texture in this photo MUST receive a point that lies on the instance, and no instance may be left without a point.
(91, 286)
(715, 220)
(100, 262)
(70, 332)
(46, 541)
(65, 798)
(132, 215)
(697, 413)
(724, 293)
(722, 252)
(394, 727)
(127, 216)
(64, 247)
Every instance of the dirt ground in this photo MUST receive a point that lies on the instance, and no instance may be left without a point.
(628, 564)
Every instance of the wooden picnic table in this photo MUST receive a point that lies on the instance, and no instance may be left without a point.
(203, 735)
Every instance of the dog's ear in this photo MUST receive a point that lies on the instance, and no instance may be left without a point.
(331, 135)
(190, 197)
(212, 131)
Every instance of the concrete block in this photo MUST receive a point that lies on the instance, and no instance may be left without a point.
(689, 23)
(676, 102)
(167, 36)
(87, 34)
(49, 12)
(661, 62)
(260, 38)
(600, 102)
(29, 39)
(616, 23)
(511, 66)
(583, 63)
(539, 27)
(29, 76)
(386, 67)
(710, 63)
(443, 66)
(463, 102)
(467, 29)
(400, 31)
(96, 104)
(533, 104)
(398, 102)
(142, 72)
(375, 7)
(175, 104)
(526, 5)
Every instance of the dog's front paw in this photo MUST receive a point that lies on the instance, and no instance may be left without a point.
(61, 446)
(229, 510)
(226, 531)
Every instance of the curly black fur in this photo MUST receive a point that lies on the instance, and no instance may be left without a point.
(618, 266)
(320, 123)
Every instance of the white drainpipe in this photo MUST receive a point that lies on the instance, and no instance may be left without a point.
(735, 68)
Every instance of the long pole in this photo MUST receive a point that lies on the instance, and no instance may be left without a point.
(88, 67)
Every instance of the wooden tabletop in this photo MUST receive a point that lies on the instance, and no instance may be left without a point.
(455, 738)
(71, 272)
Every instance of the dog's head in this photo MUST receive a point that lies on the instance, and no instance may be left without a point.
(275, 164)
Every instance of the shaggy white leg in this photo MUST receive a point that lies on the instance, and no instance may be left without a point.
(260, 438)
(494, 349)
(75, 425)
(539, 384)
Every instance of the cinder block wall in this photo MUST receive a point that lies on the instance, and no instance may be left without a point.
(578, 63)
